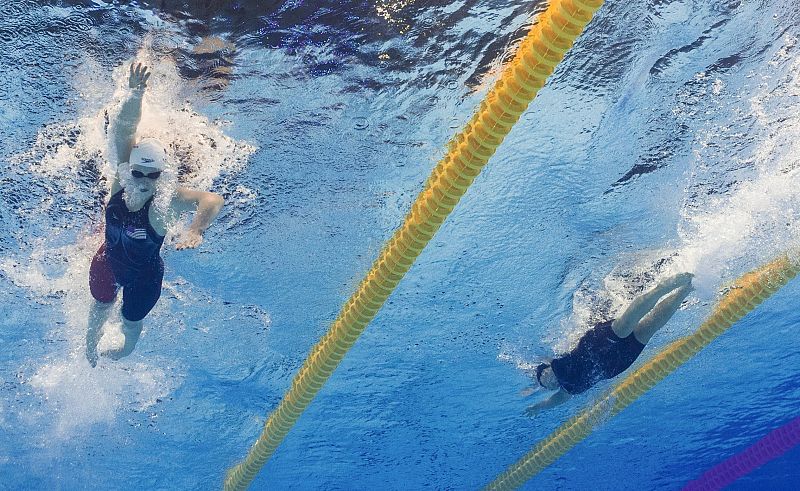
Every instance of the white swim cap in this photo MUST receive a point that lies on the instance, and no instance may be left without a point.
(149, 152)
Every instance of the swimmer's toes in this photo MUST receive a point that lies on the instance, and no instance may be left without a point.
(114, 355)
(680, 280)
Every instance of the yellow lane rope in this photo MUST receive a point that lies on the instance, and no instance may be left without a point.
(469, 151)
(745, 295)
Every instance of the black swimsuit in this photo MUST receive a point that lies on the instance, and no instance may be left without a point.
(600, 355)
(130, 259)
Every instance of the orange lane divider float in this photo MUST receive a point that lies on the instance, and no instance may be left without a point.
(745, 295)
(469, 151)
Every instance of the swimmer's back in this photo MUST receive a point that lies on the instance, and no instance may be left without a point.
(600, 355)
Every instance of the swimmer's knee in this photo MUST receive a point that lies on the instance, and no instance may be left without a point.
(131, 326)
(103, 299)
(134, 310)
(131, 316)
(102, 304)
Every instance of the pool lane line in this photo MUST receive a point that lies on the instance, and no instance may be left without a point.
(542, 49)
(745, 295)
(771, 446)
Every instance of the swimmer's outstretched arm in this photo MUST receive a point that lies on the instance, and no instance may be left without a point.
(554, 400)
(124, 128)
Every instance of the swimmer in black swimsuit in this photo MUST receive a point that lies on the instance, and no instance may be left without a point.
(129, 258)
(609, 348)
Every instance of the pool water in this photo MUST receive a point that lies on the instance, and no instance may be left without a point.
(667, 141)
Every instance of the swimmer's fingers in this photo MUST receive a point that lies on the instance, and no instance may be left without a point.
(532, 411)
(133, 77)
(142, 74)
(527, 391)
(193, 240)
(186, 244)
(138, 76)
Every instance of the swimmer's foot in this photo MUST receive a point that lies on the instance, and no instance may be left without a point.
(676, 281)
(91, 356)
(686, 278)
(116, 354)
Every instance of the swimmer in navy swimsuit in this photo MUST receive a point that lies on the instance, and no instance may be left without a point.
(609, 348)
(129, 258)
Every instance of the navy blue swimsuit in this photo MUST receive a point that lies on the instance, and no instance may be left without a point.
(132, 244)
(600, 355)
(129, 259)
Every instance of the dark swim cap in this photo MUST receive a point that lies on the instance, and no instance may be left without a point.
(539, 369)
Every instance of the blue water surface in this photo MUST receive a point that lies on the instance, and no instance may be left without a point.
(666, 141)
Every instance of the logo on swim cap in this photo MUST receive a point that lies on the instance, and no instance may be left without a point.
(149, 152)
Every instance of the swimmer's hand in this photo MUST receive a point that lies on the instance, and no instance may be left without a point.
(138, 77)
(533, 410)
(554, 400)
(192, 240)
(527, 391)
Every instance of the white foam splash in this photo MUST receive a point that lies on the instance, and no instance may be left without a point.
(759, 218)
(79, 397)
(721, 236)
(763, 224)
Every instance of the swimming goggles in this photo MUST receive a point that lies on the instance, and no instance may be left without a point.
(139, 174)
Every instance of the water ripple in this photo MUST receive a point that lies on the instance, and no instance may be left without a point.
(80, 22)
(16, 8)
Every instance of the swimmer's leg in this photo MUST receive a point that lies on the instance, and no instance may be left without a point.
(138, 299)
(624, 325)
(661, 314)
(98, 314)
(131, 330)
